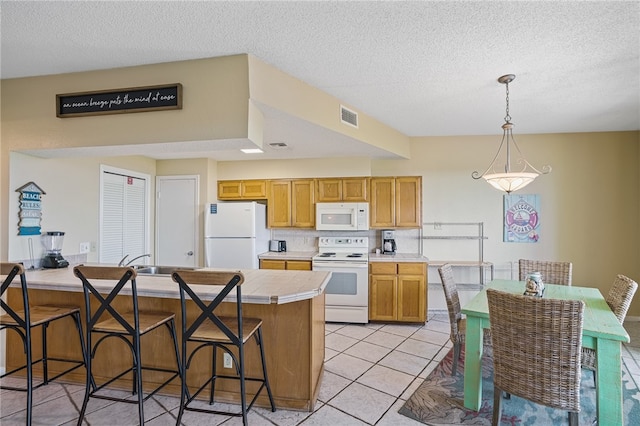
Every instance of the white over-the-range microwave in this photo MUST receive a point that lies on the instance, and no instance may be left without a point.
(342, 216)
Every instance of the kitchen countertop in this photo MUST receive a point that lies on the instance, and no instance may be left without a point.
(261, 286)
(307, 255)
(398, 257)
(288, 255)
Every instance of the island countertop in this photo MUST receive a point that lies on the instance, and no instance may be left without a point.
(261, 286)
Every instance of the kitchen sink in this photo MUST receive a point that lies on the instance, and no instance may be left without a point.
(160, 270)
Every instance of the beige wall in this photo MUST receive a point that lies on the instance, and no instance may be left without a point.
(72, 200)
(285, 93)
(215, 106)
(590, 203)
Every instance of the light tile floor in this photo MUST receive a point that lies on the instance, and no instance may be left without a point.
(370, 371)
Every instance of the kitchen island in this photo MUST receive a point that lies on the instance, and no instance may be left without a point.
(290, 303)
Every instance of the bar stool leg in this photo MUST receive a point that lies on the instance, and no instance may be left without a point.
(29, 376)
(89, 382)
(212, 389)
(264, 369)
(138, 377)
(243, 396)
(183, 386)
(45, 358)
(76, 320)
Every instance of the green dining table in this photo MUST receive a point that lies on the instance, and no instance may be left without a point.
(601, 331)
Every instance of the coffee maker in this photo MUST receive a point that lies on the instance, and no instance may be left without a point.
(52, 243)
(388, 242)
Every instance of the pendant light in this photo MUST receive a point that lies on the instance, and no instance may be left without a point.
(509, 180)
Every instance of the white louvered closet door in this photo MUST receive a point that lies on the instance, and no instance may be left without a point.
(123, 227)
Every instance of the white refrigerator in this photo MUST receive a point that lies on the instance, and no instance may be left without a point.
(235, 234)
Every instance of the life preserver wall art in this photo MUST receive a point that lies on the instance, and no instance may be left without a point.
(521, 218)
(30, 209)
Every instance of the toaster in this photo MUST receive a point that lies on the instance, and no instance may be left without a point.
(277, 245)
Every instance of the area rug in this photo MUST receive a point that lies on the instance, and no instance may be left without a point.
(439, 401)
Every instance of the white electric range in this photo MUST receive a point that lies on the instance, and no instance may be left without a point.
(347, 293)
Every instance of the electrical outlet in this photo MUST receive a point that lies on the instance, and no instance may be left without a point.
(85, 247)
(227, 361)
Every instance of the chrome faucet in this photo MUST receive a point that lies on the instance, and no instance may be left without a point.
(121, 263)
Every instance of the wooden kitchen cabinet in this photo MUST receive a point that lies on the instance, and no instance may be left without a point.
(396, 202)
(343, 189)
(242, 189)
(291, 203)
(398, 291)
(292, 265)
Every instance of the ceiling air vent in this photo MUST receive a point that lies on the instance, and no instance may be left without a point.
(278, 145)
(348, 117)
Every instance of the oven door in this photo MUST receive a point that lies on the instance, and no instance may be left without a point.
(348, 285)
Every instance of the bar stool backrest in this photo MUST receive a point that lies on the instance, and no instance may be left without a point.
(228, 279)
(12, 270)
(115, 274)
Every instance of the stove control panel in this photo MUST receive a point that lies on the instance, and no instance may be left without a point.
(345, 242)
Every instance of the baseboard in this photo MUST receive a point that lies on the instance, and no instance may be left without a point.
(631, 319)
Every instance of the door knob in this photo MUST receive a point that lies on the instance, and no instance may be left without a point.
(190, 253)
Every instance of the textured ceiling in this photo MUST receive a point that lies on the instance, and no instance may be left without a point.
(424, 68)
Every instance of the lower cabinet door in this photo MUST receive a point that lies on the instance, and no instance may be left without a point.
(383, 298)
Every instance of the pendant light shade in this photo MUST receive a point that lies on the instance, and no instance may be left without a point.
(506, 179)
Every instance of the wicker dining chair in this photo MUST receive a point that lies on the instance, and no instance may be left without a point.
(458, 324)
(536, 350)
(619, 299)
(552, 272)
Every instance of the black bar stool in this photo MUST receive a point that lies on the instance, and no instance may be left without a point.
(204, 328)
(104, 320)
(23, 320)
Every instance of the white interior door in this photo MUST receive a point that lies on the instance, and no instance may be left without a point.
(124, 214)
(177, 220)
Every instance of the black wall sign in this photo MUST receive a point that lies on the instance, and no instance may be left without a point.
(119, 101)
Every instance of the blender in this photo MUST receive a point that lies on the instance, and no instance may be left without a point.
(52, 243)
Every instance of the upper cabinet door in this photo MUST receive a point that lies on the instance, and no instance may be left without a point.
(408, 202)
(382, 208)
(396, 202)
(242, 189)
(343, 189)
(355, 189)
(279, 203)
(229, 190)
(303, 212)
(329, 190)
